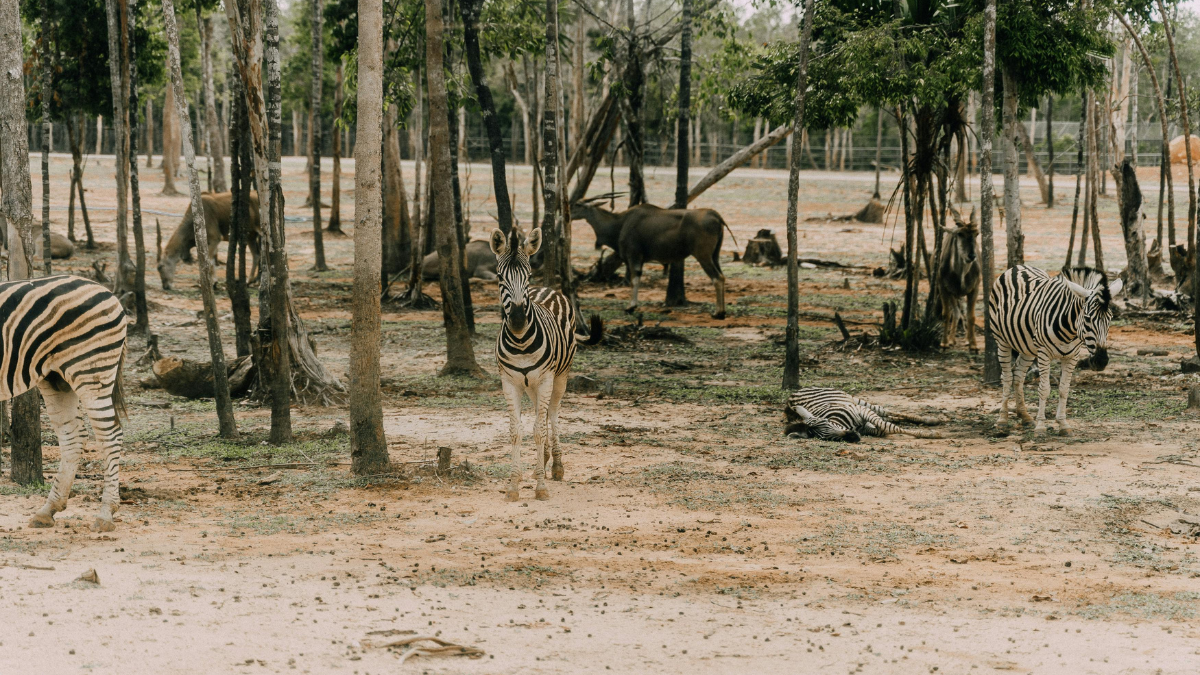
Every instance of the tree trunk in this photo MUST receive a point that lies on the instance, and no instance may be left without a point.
(791, 359)
(26, 466)
(1012, 176)
(737, 159)
(579, 93)
(1137, 274)
(524, 107)
(335, 191)
(170, 152)
(228, 427)
(676, 291)
(878, 148)
(551, 236)
(1091, 212)
(216, 159)
(314, 125)
(118, 70)
(1031, 161)
(460, 353)
(491, 125)
(141, 325)
(634, 80)
(297, 134)
(368, 445)
(235, 260)
(1050, 151)
(149, 133)
(70, 195)
(47, 130)
(1080, 142)
(461, 226)
(77, 162)
(592, 146)
(397, 240)
(987, 127)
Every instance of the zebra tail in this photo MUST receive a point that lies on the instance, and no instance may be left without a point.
(928, 420)
(890, 428)
(596, 331)
(118, 395)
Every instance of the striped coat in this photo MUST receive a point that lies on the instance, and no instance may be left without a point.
(832, 414)
(66, 336)
(1052, 320)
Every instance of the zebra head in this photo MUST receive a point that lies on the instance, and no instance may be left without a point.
(1092, 286)
(513, 270)
(809, 425)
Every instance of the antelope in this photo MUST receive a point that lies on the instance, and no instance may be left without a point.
(958, 277)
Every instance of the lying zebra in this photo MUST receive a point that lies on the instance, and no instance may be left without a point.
(832, 415)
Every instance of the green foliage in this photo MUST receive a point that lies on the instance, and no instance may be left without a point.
(1051, 46)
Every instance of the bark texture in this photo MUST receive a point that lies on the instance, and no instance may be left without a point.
(791, 359)
(314, 125)
(991, 360)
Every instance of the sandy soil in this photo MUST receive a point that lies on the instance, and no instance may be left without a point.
(689, 536)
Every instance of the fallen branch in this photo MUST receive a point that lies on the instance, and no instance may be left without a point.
(444, 648)
(837, 320)
(26, 567)
(295, 465)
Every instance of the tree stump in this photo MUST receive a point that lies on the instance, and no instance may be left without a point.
(1194, 397)
(443, 460)
(871, 213)
(763, 249)
(181, 377)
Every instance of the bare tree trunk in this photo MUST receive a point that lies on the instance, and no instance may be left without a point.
(460, 353)
(579, 92)
(1187, 144)
(987, 128)
(368, 445)
(120, 93)
(70, 193)
(737, 159)
(878, 149)
(149, 133)
(235, 261)
(170, 153)
(791, 359)
(483, 94)
(314, 125)
(204, 262)
(297, 134)
(676, 290)
(634, 80)
(419, 162)
(47, 130)
(397, 240)
(141, 307)
(216, 158)
(1032, 163)
(26, 466)
(1012, 175)
(335, 191)
(555, 221)
(1050, 151)
(77, 162)
(99, 133)
(1137, 273)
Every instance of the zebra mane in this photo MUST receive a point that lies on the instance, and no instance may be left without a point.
(1091, 279)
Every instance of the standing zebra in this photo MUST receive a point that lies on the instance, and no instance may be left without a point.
(66, 336)
(1049, 318)
(534, 351)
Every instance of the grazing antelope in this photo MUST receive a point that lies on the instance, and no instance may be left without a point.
(958, 278)
(534, 350)
(1051, 319)
(218, 218)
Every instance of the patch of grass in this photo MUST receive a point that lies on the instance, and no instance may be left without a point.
(1123, 404)
(1176, 607)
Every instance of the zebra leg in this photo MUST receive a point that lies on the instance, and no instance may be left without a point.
(541, 404)
(560, 388)
(1022, 367)
(1043, 360)
(1004, 353)
(513, 394)
(1064, 390)
(63, 409)
(108, 431)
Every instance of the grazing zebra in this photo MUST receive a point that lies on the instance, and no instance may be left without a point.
(534, 351)
(66, 336)
(1049, 318)
(832, 415)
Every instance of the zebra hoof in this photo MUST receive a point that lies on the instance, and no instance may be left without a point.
(542, 495)
(1064, 429)
(557, 472)
(41, 520)
(719, 316)
(512, 495)
(1039, 429)
(103, 525)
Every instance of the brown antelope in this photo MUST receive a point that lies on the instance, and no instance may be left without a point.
(958, 278)
(647, 233)
(218, 216)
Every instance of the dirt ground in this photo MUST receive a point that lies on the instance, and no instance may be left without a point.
(689, 535)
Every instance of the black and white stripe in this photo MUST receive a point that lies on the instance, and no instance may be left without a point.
(833, 415)
(1051, 319)
(65, 335)
(534, 352)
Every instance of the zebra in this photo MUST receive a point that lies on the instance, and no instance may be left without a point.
(832, 415)
(534, 351)
(66, 336)
(1034, 315)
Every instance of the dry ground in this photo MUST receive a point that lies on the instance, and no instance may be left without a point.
(689, 534)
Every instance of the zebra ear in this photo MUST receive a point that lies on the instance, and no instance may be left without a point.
(533, 242)
(805, 416)
(499, 243)
(1115, 287)
(1077, 289)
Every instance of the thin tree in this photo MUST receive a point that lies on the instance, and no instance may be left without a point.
(335, 192)
(368, 445)
(26, 464)
(1187, 139)
(676, 290)
(47, 70)
(226, 423)
(170, 145)
(791, 359)
(879, 148)
(1050, 151)
(1012, 176)
(118, 69)
(216, 159)
(1080, 143)
(460, 353)
(235, 262)
(141, 307)
(314, 125)
(991, 359)
(553, 244)
(487, 107)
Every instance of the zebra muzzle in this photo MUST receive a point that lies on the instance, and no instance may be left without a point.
(1098, 361)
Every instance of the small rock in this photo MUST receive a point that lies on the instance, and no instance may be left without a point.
(271, 479)
(1191, 365)
(90, 576)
